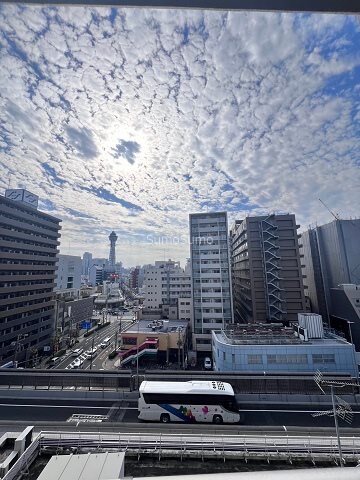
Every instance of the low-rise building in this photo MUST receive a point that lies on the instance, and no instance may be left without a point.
(162, 341)
(271, 348)
(70, 318)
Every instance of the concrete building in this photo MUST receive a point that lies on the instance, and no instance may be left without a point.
(134, 278)
(87, 263)
(345, 312)
(96, 276)
(272, 348)
(266, 269)
(167, 287)
(159, 341)
(331, 256)
(29, 241)
(70, 313)
(211, 279)
(68, 275)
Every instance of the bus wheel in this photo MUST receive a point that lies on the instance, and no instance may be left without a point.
(165, 418)
(217, 419)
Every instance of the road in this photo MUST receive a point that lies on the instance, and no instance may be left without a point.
(264, 419)
(96, 339)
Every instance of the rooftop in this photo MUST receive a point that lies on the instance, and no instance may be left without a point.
(272, 334)
(158, 326)
(91, 466)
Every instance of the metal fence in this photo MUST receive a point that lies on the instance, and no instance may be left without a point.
(242, 384)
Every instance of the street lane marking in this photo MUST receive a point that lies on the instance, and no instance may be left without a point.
(53, 406)
(135, 408)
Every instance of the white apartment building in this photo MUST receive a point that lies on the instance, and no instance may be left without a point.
(87, 262)
(68, 275)
(211, 276)
(167, 283)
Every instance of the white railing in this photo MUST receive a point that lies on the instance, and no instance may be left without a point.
(243, 446)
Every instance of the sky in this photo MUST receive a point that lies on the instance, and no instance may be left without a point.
(130, 119)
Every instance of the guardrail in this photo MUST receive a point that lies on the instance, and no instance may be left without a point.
(120, 380)
(247, 447)
(315, 448)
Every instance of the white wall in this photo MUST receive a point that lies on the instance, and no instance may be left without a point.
(68, 275)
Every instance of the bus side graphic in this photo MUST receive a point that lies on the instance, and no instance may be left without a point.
(182, 413)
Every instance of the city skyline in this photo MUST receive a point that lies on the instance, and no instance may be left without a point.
(129, 120)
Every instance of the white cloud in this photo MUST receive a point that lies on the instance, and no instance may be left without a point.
(226, 108)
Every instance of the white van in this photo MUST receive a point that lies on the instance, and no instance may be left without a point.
(105, 342)
(77, 352)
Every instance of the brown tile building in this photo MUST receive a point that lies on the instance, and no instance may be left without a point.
(266, 269)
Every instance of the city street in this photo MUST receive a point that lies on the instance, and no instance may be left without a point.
(100, 361)
(265, 419)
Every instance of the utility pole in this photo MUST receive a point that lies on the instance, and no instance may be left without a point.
(340, 408)
(137, 356)
(21, 336)
(92, 352)
(179, 348)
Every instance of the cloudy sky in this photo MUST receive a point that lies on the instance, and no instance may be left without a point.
(129, 119)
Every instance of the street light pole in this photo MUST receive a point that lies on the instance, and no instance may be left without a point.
(92, 351)
(137, 356)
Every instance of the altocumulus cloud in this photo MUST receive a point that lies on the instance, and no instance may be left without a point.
(127, 150)
(245, 112)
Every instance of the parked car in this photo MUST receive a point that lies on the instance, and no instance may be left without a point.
(207, 363)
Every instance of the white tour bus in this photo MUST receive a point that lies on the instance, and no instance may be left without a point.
(194, 401)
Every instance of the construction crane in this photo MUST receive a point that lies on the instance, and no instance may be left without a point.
(335, 215)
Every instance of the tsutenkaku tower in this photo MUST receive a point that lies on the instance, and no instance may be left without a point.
(112, 257)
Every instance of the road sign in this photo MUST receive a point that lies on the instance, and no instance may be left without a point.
(85, 325)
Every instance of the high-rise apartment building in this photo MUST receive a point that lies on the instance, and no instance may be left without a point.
(331, 257)
(29, 241)
(87, 263)
(211, 279)
(266, 269)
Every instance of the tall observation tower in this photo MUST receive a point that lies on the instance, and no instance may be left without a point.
(112, 257)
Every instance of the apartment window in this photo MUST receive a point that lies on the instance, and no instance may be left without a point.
(224, 355)
(254, 359)
(323, 358)
(287, 359)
